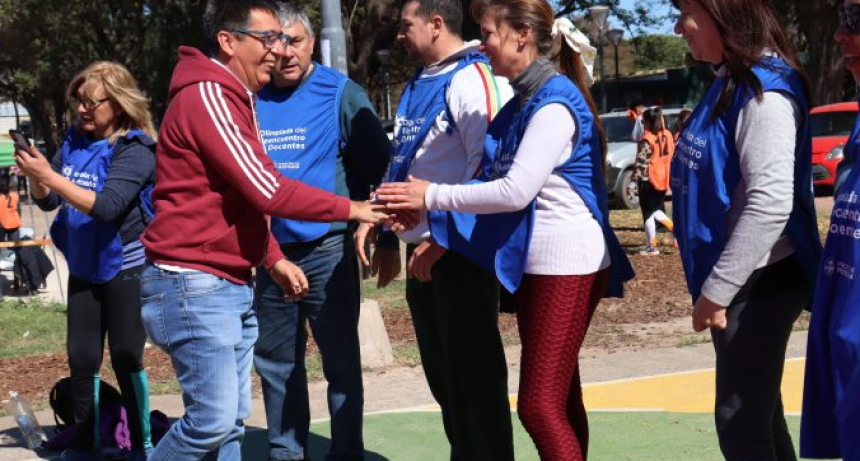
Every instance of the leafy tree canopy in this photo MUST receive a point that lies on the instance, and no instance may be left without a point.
(43, 43)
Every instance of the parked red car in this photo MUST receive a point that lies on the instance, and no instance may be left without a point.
(831, 125)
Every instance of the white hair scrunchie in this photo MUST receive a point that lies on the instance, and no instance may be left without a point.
(579, 43)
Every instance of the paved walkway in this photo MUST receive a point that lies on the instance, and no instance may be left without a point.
(671, 380)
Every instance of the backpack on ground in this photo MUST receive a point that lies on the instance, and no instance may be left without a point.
(60, 399)
(113, 418)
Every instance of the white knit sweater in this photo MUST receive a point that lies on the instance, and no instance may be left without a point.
(567, 240)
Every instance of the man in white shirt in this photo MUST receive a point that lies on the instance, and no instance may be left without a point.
(441, 124)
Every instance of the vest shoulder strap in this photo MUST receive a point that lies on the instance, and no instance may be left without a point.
(466, 61)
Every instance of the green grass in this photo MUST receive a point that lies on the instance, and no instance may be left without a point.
(692, 340)
(407, 355)
(614, 436)
(626, 218)
(30, 328)
(313, 365)
(170, 387)
(391, 297)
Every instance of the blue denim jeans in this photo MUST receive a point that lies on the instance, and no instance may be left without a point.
(331, 307)
(208, 327)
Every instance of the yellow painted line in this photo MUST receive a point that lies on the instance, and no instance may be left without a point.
(689, 392)
(685, 392)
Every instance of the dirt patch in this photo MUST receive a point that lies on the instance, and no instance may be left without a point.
(647, 317)
(657, 294)
(652, 314)
(656, 297)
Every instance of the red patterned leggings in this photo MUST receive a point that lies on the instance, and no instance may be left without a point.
(553, 314)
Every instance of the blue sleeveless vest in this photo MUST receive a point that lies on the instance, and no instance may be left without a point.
(93, 249)
(422, 101)
(301, 134)
(500, 242)
(706, 172)
(831, 394)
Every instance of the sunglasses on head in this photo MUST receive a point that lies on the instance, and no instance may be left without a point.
(849, 17)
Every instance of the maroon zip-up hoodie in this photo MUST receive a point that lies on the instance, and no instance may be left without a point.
(215, 186)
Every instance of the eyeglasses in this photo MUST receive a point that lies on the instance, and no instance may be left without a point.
(89, 104)
(269, 38)
(849, 17)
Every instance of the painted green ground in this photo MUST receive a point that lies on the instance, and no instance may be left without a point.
(614, 436)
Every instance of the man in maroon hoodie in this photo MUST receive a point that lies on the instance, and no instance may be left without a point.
(215, 188)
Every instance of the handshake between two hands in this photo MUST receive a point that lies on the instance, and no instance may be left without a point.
(397, 205)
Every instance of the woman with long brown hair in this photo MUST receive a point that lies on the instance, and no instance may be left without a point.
(537, 214)
(744, 214)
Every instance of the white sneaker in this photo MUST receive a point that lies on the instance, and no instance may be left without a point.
(649, 252)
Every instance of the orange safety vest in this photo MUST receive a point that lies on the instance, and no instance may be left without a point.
(9, 217)
(662, 150)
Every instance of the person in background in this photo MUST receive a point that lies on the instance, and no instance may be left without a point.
(634, 112)
(100, 180)
(683, 116)
(651, 173)
(537, 215)
(10, 219)
(744, 215)
(318, 127)
(830, 421)
(22, 185)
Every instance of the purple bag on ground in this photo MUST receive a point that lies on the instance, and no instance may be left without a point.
(113, 430)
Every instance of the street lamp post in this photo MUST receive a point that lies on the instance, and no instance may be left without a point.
(599, 13)
(615, 36)
(383, 56)
(333, 45)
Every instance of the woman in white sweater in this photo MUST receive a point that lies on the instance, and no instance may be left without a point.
(537, 215)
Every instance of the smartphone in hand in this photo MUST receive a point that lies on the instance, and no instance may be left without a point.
(21, 143)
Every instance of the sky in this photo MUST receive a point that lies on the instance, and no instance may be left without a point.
(662, 10)
(665, 29)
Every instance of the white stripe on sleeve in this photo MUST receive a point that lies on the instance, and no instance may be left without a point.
(247, 152)
(227, 135)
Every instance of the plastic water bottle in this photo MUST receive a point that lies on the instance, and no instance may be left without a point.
(27, 422)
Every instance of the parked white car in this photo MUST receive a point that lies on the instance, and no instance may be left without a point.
(621, 155)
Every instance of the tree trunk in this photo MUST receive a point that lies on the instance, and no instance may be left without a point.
(377, 30)
(817, 20)
(40, 116)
